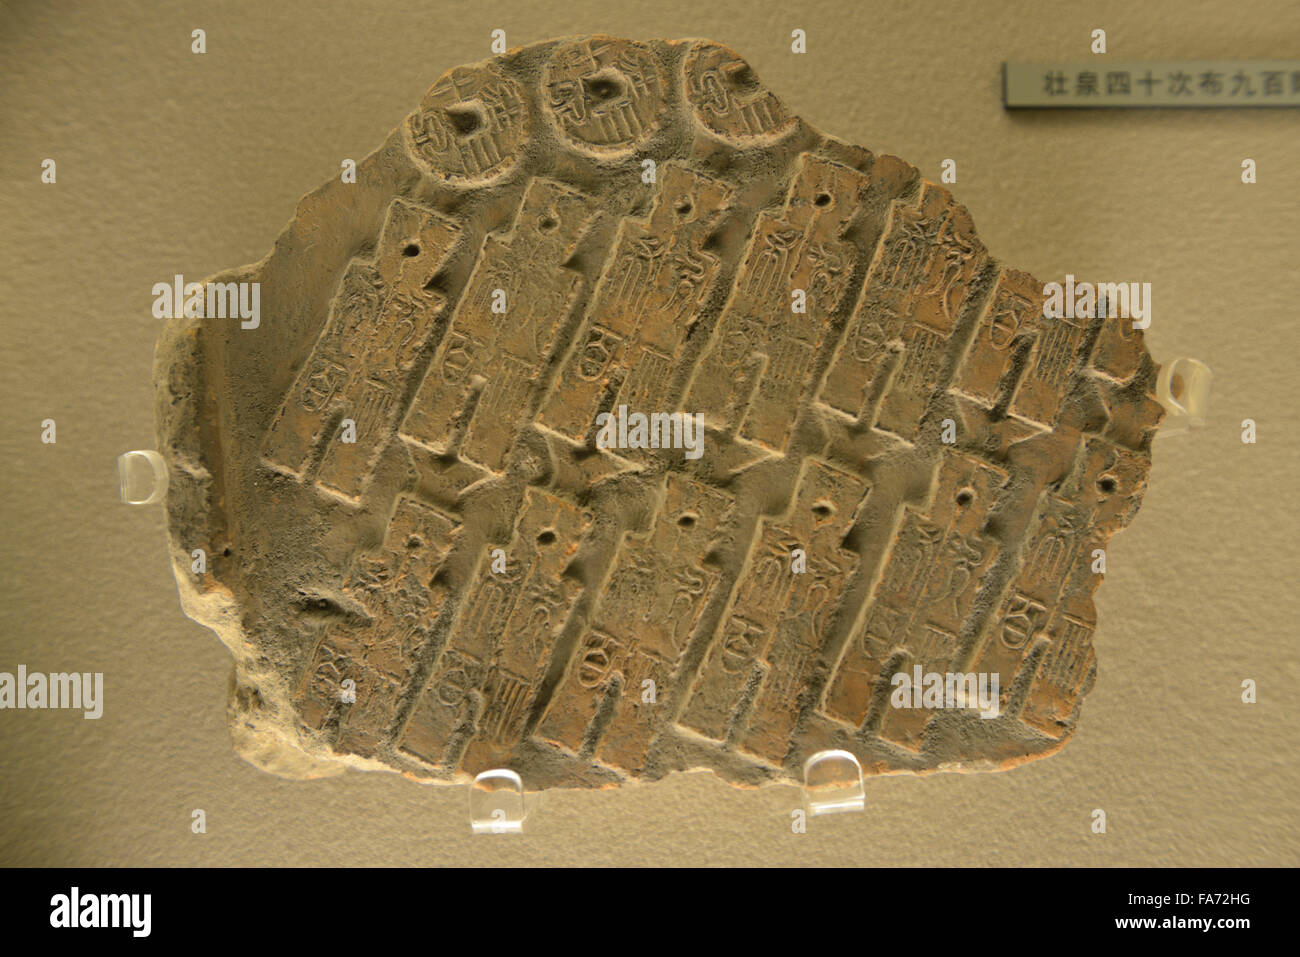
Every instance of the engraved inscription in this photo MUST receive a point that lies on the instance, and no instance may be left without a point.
(729, 101)
(761, 353)
(649, 606)
(906, 465)
(503, 355)
(377, 648)
(378, 323)
(915, 293)
(479, 693)
(659, 275)
(927, 592)
(605, 95)
(778, 621)
(471, 126)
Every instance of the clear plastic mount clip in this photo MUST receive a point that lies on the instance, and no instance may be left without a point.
(496, 803)
(1183, 388)
(142, 477)
(832, 783)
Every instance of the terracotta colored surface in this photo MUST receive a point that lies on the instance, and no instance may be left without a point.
(171, 162)
(474, 579)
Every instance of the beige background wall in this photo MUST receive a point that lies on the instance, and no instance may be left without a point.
(170, 162)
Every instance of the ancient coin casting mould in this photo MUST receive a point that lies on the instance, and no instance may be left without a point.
(458, 512)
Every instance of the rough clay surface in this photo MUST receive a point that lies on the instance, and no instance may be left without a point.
(371, 562)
